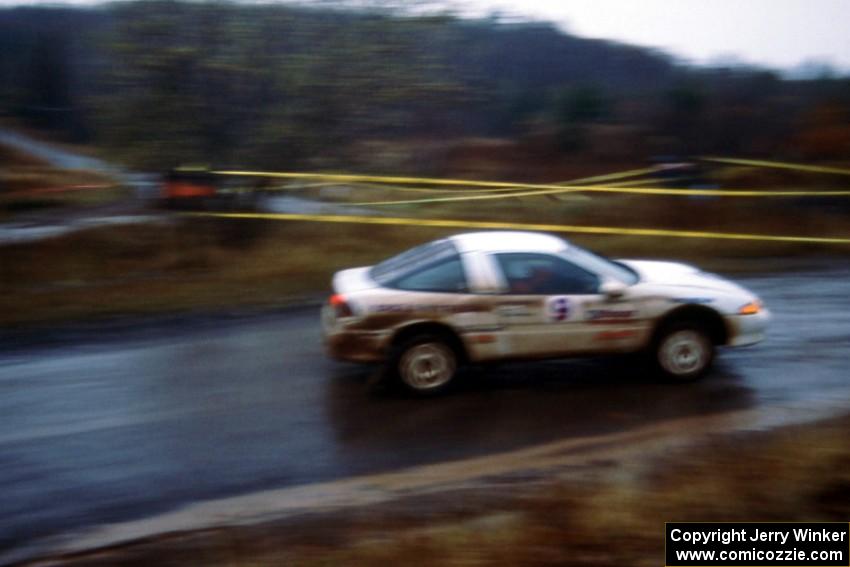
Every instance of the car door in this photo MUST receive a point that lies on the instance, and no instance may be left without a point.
(546, 304)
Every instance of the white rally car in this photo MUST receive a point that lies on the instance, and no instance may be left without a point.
(490, 296)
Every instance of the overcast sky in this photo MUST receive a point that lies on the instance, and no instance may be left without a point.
(776, 33)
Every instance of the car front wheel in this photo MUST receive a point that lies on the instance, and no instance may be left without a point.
(425, 365)
(683, 352)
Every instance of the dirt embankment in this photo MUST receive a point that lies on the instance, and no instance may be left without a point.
(29, 183)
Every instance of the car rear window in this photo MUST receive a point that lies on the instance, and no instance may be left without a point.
(445, 276)
(412, 260)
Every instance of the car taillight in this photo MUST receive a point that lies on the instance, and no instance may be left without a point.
(340, 306)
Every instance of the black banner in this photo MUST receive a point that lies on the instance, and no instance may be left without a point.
(746, 544)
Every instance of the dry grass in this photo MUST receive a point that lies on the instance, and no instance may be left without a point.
(211, 264)
(800, 474)
(614, 516)
(193, 264)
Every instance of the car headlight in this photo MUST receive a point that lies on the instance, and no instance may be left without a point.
(750, 308)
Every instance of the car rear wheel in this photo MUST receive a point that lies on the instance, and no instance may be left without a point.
(425, 365)
(683, 352)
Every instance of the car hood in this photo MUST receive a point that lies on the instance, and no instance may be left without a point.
(674, 274)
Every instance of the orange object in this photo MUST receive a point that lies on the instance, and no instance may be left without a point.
(182, 184)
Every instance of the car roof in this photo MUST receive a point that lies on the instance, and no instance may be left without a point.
(507, 241)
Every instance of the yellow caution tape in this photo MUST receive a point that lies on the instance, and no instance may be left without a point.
(649, 181)
(589, 180)
(459, 188)
(454, 223)
(463, 198)
(635, 183)
(528, 188)
(593, 188)
(778, 165)
(366, 179)
(315, 185)
(321, 184)
(447, 191)
(612, 176)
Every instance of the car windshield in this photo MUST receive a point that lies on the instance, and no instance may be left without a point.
(412, 260)
(602, 265)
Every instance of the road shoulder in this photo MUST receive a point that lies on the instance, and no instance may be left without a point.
(546, 501)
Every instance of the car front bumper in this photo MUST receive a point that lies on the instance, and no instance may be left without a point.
(747, 329)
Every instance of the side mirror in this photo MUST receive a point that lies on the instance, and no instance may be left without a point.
(613, 289)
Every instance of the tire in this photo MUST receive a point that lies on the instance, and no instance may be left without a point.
(425, 365)
(682, 352)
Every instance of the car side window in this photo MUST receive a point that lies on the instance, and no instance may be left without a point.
(446, 276)
(544, 274)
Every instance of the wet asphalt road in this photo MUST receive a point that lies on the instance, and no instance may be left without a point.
(127, 424)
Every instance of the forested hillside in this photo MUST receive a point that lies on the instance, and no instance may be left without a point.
(160, 82)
